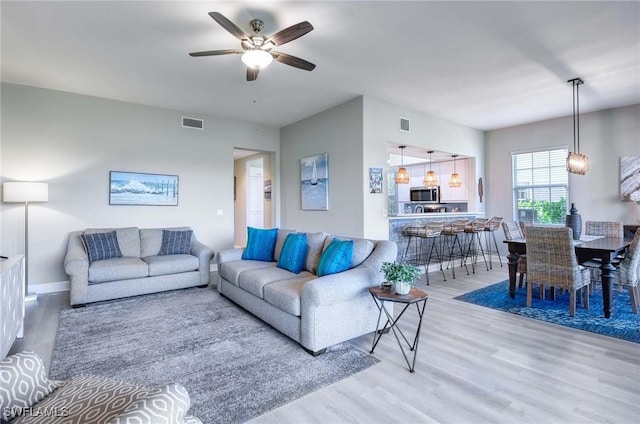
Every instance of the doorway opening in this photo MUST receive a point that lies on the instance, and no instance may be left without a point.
(253, 205)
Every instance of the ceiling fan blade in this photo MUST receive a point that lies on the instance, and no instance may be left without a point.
(290, 33)
(228, 25)
(252, 74)
(296, 62)
(215, 52)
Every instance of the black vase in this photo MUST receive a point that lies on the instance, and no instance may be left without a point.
(574, 221)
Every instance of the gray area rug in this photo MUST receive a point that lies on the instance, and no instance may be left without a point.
(234, 366)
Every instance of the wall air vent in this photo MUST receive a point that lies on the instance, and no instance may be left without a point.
(404, 124)
(195, 123)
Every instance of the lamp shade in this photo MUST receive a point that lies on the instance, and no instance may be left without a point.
(257, 59)
(25, 192)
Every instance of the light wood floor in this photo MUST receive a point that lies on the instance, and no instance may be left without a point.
(474, 365)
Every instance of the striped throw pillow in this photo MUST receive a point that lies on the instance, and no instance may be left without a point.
(176, 242)
(101, 246)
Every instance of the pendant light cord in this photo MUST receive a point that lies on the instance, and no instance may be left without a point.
(574, 117)
(578, 114)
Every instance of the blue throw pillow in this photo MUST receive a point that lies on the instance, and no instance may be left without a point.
(101, 246)
(336, 257)
(260, 244)
(294, 253)
(176, 242)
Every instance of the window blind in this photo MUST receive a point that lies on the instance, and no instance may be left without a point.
(540, 186)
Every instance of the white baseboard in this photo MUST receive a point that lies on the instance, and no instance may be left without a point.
(53, 287)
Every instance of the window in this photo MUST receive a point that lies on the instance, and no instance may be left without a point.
(540, 186)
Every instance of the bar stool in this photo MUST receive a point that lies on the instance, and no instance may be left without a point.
(412, 233)
(490, 233)
(474, 241)
(453, 233)
(432, 232)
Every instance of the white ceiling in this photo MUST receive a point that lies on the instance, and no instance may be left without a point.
(486, 65)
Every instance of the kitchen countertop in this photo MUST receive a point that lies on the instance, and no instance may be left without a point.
(434, 215)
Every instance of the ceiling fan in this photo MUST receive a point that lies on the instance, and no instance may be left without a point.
(257, 49)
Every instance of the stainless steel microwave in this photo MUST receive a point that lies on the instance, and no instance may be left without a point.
(425, 194)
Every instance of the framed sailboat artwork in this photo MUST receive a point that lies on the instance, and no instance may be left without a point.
(314, 182)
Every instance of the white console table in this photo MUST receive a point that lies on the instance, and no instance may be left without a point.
(11, 302)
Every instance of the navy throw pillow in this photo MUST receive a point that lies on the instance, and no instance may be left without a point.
(260, 244)
(176, 242)
(101, 246)
(336, 257)
(293, 256)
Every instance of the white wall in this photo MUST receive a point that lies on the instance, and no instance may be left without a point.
(605, 136)
(73, 141)
(381, 126)
(338, 132)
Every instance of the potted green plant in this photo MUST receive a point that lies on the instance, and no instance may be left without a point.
(403, 276)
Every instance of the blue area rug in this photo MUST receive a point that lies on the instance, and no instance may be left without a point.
(623, 324)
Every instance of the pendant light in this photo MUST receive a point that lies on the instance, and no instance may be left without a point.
(577, 163)
(402, 176)
(430, 178)
(454, 179)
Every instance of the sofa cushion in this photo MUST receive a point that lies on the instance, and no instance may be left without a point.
(362, 248)
(285, 295)
(23, 382)
(89, 399)
(294, 253)
(176, 242)
(261, 244)
(117, 269)
(101, 246)
(254, 280)
(167, 406)
(336, 257)
(315, 246)
(151, 240)
(171, 264)
(231, 270)
(128, 239)
(282, 237)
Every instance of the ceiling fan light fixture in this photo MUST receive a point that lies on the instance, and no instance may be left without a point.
(257, 59)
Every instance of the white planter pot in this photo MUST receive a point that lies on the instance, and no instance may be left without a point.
(401, 287)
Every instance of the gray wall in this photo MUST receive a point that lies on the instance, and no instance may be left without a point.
(338, 132)
(605, 136)
(73, 141)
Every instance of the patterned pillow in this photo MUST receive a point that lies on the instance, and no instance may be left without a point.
(336, 257)
(101, 246)
(294, 253)
(176, 242)
(23, 382)
(167, 406)
(261, 244)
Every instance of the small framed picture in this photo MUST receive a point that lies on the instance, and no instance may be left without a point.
(375, 180)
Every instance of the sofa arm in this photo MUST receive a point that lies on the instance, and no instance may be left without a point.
(204, 255)
(385, 251)
(76, 265)
(230, 255)
(340, 287)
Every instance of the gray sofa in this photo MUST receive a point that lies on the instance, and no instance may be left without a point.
(316, 312)
(140, 270)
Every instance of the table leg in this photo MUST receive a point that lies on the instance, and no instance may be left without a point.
(607, 286)
(513, 269)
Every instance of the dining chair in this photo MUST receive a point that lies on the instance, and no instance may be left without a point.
(552, 261)
(606, 229)
(513, 231)
(629, 272)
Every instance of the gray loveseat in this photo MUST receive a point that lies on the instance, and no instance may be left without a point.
(139, 270)
(316, 312)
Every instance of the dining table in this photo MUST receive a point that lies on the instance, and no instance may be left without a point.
(601, 249)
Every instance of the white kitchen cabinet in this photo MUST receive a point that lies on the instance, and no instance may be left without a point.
(453, 194)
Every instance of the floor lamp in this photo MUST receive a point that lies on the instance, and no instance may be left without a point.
(25, 192)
